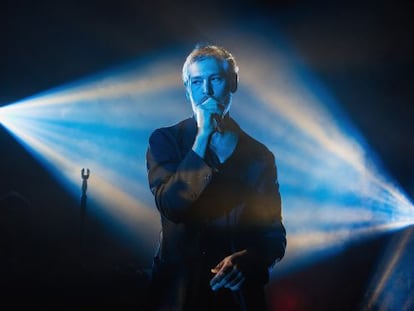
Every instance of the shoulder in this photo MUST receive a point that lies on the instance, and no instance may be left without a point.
(169, 133)
(256, 148)
(250, 145)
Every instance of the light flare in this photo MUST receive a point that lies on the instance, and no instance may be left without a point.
(334, 192)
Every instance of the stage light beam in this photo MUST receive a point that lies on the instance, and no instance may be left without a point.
(333, 190)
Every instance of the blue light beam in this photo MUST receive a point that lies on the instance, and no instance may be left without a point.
(333, 190)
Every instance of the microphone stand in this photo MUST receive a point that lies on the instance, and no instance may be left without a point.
(85, 176)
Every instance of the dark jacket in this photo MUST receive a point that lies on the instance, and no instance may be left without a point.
(209, 211)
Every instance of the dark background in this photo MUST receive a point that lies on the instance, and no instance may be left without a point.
(363, 52)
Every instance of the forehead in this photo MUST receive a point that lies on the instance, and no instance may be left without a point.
(205, 67)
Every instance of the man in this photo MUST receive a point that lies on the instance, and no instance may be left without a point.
(217, 193)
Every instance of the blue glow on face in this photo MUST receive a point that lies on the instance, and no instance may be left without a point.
(333, 190)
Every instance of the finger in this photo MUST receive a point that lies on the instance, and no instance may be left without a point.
(221, 273)
(207, 103)
(210, 100)
(236, 281)
(229, 277)
(239, 284)
(217, 268)
(222, 279)
(208, 113)
(216, 279)
(212, 104)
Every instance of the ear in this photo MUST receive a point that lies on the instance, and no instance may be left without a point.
(234, 81)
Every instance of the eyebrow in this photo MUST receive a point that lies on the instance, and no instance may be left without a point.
(211, 75)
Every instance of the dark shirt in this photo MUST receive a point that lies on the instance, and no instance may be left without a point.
(209, 211)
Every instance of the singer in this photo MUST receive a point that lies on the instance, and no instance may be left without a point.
(217, 193)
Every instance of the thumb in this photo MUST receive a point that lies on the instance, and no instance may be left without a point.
(217, 268)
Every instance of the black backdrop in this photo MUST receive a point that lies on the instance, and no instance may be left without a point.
(48, 43)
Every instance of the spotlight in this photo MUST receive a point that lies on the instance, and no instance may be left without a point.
(333, 190)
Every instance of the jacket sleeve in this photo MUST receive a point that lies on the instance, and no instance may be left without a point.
(273, 233)
(175, 180)
(265, 234)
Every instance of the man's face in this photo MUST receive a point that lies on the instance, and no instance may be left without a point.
(207, 78)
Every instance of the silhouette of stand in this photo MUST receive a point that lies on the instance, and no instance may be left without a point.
(84, 197)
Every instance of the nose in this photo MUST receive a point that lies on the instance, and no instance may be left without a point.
(207, 89)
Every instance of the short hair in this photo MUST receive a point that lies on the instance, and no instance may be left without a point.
(203, 51)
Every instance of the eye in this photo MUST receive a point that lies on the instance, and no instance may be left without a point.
(196, 82)
(217, 79)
